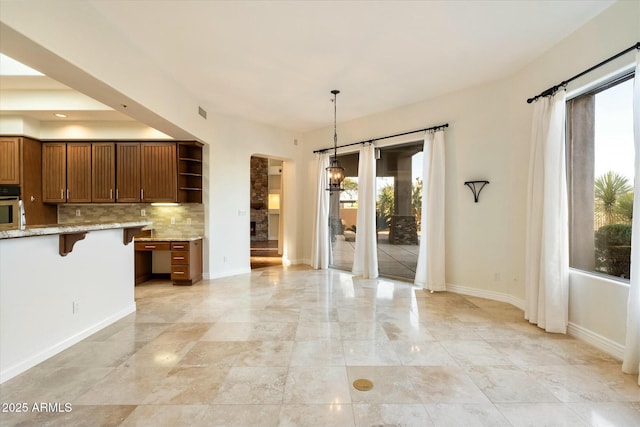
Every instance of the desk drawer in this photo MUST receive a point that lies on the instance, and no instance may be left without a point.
(179, 246)
(179, 272)
(152, 246)
(179, 257)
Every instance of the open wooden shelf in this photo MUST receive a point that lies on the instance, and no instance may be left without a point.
(189, 172)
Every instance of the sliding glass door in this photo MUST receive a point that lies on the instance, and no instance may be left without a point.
(343, 208)
(398, 205)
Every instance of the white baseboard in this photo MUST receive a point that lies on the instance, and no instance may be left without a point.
(602, 343)
(230, 273)
(51, 351)
(481, 293)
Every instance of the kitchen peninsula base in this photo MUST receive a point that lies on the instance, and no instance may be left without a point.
(51, 300)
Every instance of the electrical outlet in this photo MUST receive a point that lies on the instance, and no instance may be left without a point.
(143, 212)
(188, 221)
(496, 277)
(173, 221)
(77, 212)
(76, 307)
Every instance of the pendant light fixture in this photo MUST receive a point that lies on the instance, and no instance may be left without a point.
(335, 172)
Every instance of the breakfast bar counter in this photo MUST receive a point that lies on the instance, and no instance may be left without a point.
(51, 298)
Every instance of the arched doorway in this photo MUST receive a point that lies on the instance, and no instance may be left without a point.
(266, 213)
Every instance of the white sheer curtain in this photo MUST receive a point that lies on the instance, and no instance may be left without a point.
(430, 268)
(547, 250)
(321, 244)
(365, 259)
(631, 361)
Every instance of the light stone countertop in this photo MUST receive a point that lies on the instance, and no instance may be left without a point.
(166, 239)
(45, 230)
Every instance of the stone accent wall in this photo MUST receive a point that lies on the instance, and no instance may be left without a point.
(189, 218)
(260, 198)
(403, 230)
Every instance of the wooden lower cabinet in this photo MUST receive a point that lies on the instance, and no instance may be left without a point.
(186, 260)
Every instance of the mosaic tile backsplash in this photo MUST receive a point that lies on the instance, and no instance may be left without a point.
(189, 218)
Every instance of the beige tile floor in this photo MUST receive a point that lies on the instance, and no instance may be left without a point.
(397, 261)
(282, 347)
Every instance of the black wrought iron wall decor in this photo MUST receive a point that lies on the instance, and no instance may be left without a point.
(476, 190)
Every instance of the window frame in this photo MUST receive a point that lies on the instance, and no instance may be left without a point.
(592, 89)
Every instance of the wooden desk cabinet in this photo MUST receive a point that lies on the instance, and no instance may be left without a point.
(186, 260)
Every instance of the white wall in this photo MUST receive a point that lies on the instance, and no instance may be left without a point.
(45, 38)
(478, 235)
(69, 130)
(15, 125)
(597, 306)
(235, 141)
(488, 138)
(598, 311)
(36, 301)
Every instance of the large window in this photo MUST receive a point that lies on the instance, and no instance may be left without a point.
(601, 175)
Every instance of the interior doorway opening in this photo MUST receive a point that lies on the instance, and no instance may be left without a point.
(266, 217)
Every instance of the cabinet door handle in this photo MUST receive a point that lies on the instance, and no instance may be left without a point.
(110, 193)
(149, 246)
(67, 194)
(178, 246)
(178, 272)
(178, 257)
(117, 194)
(62, 194)
(141, 194)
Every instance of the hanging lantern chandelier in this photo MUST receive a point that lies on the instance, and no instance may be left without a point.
(335, 172)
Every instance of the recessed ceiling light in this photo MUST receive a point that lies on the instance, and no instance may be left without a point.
(60, 115)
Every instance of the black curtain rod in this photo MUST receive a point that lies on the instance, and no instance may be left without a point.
(446, 125)
(553, 89)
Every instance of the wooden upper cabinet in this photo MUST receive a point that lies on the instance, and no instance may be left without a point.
(21, 163)
(9, 160)
(124, 172)
(103, 172)
(79, 173)
(54, 172)
(158, 172)
(35, 211)
(128, 172)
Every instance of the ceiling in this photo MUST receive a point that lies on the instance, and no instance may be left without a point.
(276, 62)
